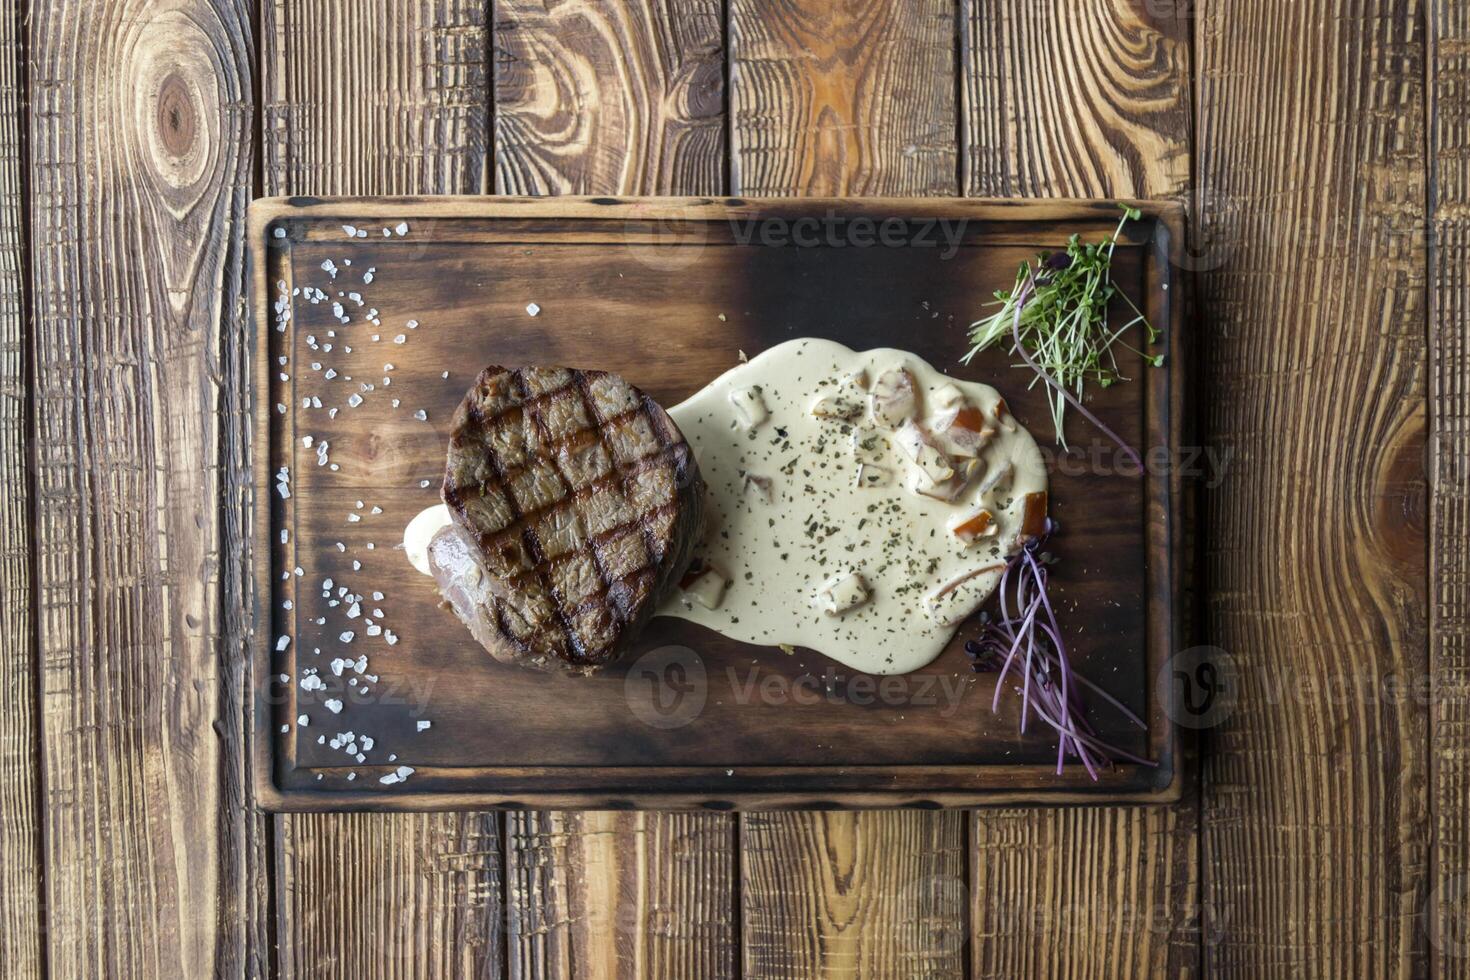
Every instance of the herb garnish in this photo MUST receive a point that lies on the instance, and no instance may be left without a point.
(1025, 646)
(1056, 319)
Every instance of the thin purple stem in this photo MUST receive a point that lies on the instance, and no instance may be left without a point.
(1022, 299)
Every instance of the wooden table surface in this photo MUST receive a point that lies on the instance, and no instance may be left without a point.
(1321, 147)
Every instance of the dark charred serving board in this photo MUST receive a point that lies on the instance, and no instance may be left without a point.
(668, 293)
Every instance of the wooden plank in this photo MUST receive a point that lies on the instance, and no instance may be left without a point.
(1107, 891)
(1316, 794)
(852, 100)
(614, 99)
(141, 121)
(1087, 892)
(595, 98)
(1062, 100)
(1449, 475)
(21, 915)
(375, 96)
(428, 906)
(602, 894)
(381, 98)
(853, 894)
(843, 100)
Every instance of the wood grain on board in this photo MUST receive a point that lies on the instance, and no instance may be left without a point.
(1449, 473)
(844, 100)
(1310, 154)
(140, 133)
(614, 99)
(1106, 891)
(594, 98)
(380, 98)
(21, 917)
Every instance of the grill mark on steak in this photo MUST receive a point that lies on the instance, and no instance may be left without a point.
(543, 456)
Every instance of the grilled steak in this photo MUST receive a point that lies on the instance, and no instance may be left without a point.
(576, 505)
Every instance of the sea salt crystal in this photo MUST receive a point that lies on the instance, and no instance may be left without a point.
(533, 309)
(413, 324)
(354, 399)
(424, 726)
(279, 232)
(346, 636)
(402, 229)
(421, 415)
(390, 637)
(353, 518)
(333, 705)
(282, 642)
(350, 230)
(400, 339)
(303, 721)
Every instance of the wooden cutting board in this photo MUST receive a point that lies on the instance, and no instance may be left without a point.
(669, 293)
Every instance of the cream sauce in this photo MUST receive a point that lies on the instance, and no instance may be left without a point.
(869, 575)
(867, 532)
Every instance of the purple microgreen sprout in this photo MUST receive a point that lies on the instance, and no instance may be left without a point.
(1024, 646)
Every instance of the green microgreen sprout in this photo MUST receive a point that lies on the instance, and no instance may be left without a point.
(1056, 319)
